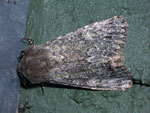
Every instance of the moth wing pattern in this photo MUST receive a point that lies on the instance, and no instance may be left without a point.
(90, 57)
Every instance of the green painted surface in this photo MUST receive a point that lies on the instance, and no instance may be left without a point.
(48, 19)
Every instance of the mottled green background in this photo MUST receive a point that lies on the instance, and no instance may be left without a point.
(48, 19)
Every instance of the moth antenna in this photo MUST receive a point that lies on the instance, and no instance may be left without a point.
(29, 41)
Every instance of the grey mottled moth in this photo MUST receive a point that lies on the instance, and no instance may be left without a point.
(90, 57)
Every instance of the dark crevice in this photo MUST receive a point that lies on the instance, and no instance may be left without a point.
(139, 82)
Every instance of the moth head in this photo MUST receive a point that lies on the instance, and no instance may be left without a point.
(35, 63)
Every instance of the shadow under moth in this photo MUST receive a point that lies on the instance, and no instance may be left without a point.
(90, 57)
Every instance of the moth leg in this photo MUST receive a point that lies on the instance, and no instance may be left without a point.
(23, 107)
(42, 88)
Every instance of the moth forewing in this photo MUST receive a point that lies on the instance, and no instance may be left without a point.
(90, 57)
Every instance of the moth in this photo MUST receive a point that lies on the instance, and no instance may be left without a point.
(90, 57)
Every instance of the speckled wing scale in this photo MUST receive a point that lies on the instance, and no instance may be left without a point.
(91, 57)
